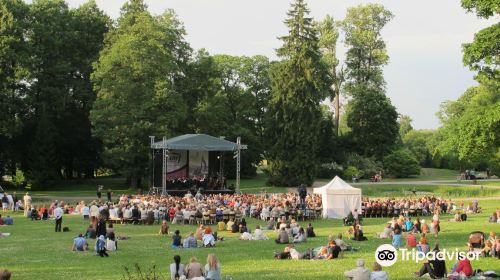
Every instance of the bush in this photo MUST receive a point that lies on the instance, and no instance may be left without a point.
(401, 164)
(329, 170)
(367, 167)
(350, 171)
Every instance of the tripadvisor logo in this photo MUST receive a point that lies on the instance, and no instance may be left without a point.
(387, 255)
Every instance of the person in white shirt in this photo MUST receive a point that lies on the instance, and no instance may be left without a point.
(58, 213)
(27, 204)
(358, 273)
(94, 212)
(259, 234)
(85, 212)
(377, 273)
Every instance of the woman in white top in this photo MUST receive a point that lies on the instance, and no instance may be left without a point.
(176, 268)
(377, 273)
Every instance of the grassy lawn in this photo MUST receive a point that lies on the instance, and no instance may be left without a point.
(34, 251)
(376, 190)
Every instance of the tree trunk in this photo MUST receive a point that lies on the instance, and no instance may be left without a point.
(337, 112)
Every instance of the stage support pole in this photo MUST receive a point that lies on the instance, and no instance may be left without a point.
(164, 166)
(152, 177)
(238, 163)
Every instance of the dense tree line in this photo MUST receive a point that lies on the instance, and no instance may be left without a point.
(81, 92)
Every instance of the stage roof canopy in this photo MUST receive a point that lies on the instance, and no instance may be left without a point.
(197, 142)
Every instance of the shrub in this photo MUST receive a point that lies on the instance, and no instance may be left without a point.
(367, 167)
(329, 170)
(401, 164)
(350, 171)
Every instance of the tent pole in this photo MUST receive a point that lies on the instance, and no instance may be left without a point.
(164, 167)
(238, 163)
(152, 178)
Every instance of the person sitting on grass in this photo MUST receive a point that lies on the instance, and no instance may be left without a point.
(358, 273)
(377, 273)
(176, 240)
(333, 251)
(282, 237)
(5, 274)
(212, 268)
(177, 269)
(271, 224)
(435, 268)
(343, 245)
(423, 245)
(194, 269)
(411, 240)
(408, 224)
(386, 233)
(310, 231)
(300, 237)
(100, 247)
(462, 268)
(190, 241)
(208, 238)
(259, 234)
(163, 228)
(424, 228)
(8, 221)
(91, 233)
(396, 239)
(221, 225)
(417, 227)
(80, 244)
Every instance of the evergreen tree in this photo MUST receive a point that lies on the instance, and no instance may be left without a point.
(299, 83)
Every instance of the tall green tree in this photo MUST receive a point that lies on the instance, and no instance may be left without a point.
(14, 56)
(373, 120)
(300, 82)
(366, 54)
(136, 95)
(371, 116)
(328, 37)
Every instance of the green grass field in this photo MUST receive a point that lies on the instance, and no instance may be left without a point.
(34, 251)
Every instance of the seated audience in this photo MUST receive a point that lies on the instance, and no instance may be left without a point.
(377, 273)
(176, 239)
(411, 240)
(300, 237)
(259, 234)
(176, 268)
(80, 244)
(282, 237)
(310, 231)
(208, 238)
(163, 228)
(212, 268)
(358, 273)
(194, 269)
(190, 241)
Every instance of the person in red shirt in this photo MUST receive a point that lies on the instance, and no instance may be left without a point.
(411, 240)
(464, 267)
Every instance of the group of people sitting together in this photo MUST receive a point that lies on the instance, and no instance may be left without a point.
(495, 217)
(194, 270)
(423, 206)
(205, 235)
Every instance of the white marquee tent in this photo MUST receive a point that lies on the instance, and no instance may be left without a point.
(339, 198)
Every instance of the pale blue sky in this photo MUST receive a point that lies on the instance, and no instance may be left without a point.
(423, 41)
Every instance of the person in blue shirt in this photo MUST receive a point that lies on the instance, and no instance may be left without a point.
(100, 247)
(408, 224)
(80, 244)
(396, 239)
(8, 221)
(176, 239)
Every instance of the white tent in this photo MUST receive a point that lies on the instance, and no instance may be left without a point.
(339, 198)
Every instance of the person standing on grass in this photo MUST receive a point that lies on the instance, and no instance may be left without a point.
(14, 199)
(27, 204)
(99, 192)
(109, 194)
(58, 214)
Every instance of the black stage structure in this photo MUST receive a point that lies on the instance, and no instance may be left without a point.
(192, 156)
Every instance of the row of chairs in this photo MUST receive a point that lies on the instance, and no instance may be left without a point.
(385, 212)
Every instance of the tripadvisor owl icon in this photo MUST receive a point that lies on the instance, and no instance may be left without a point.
(386, 255)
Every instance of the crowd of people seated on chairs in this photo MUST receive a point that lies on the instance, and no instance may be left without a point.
(416, 207)
(197, 182)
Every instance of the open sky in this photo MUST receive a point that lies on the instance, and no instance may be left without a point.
(423, 41)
